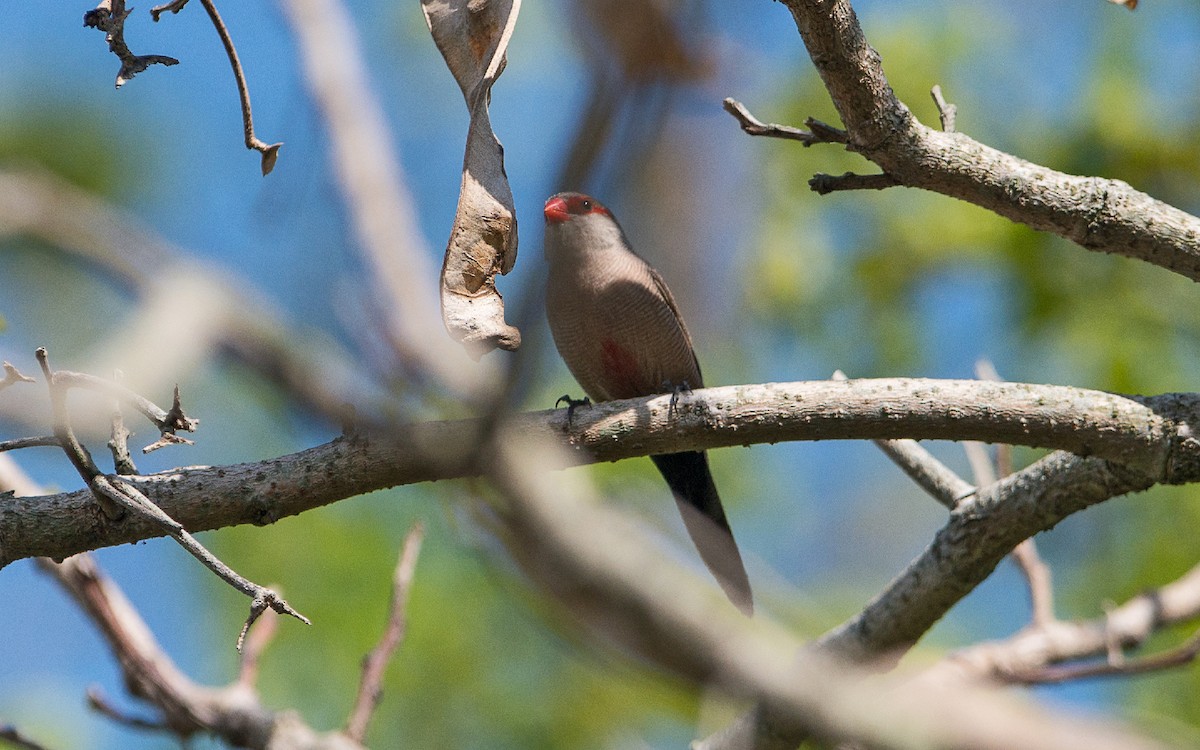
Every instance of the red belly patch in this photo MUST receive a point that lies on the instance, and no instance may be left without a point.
(620, 370)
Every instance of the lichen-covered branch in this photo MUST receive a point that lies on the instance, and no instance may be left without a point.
(1136, 443)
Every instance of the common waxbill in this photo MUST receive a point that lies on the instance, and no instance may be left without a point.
(618, 329)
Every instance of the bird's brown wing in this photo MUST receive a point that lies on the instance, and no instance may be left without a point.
(661, 286)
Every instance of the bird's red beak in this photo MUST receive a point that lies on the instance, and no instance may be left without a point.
(556, 210)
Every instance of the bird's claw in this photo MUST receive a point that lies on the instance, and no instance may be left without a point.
(572, 405)
(676, 390)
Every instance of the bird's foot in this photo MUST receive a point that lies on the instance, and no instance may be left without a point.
(572, 405)
(676, 390)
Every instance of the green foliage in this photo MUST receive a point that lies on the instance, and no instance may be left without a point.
(83, 147)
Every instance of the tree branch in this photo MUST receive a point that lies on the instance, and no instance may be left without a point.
(1150, 437)
(233, 713)
(1098, 214)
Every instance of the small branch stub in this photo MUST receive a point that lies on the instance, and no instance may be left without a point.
(946, 111)
(818, 132)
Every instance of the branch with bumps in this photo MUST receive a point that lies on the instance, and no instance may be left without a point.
(1132, 443)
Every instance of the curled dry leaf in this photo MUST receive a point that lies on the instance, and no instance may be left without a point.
(472, 36)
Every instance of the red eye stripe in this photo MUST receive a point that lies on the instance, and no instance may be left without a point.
(580, 205)
(562, 207)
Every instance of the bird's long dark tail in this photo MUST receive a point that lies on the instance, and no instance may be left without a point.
(696, 496)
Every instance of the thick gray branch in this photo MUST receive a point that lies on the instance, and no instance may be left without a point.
(979, 534)
(1149, 436)
(1098, 214)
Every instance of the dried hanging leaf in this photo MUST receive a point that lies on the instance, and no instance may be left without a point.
(472, 36)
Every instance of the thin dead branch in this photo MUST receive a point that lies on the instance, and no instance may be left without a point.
(269, 151)
(947, 112)
(370, 688)
(818, 132)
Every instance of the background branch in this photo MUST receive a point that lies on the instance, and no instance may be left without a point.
(375, 196)
(1030, 656)
(603, 571)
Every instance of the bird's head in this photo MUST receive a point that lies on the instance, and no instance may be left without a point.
(578, 223)
(565, 207)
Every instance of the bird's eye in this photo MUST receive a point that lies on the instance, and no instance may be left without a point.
(586, 205)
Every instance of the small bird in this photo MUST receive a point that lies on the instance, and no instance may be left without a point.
(618, 329)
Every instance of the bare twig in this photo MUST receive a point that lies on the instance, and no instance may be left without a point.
(116, 496)
(172, 7)
(946, 111)
(38, 441)
(269, 151)
(371, 686)
(100, 703)
(1038, 577)
(109, 16)
(76, 453)
(118, 442)
(933, 476)
(233, 713)
(1043, 653)
(753, 126)
(254, 646)
(262, 598)
(1184, 653)
(168, 422)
